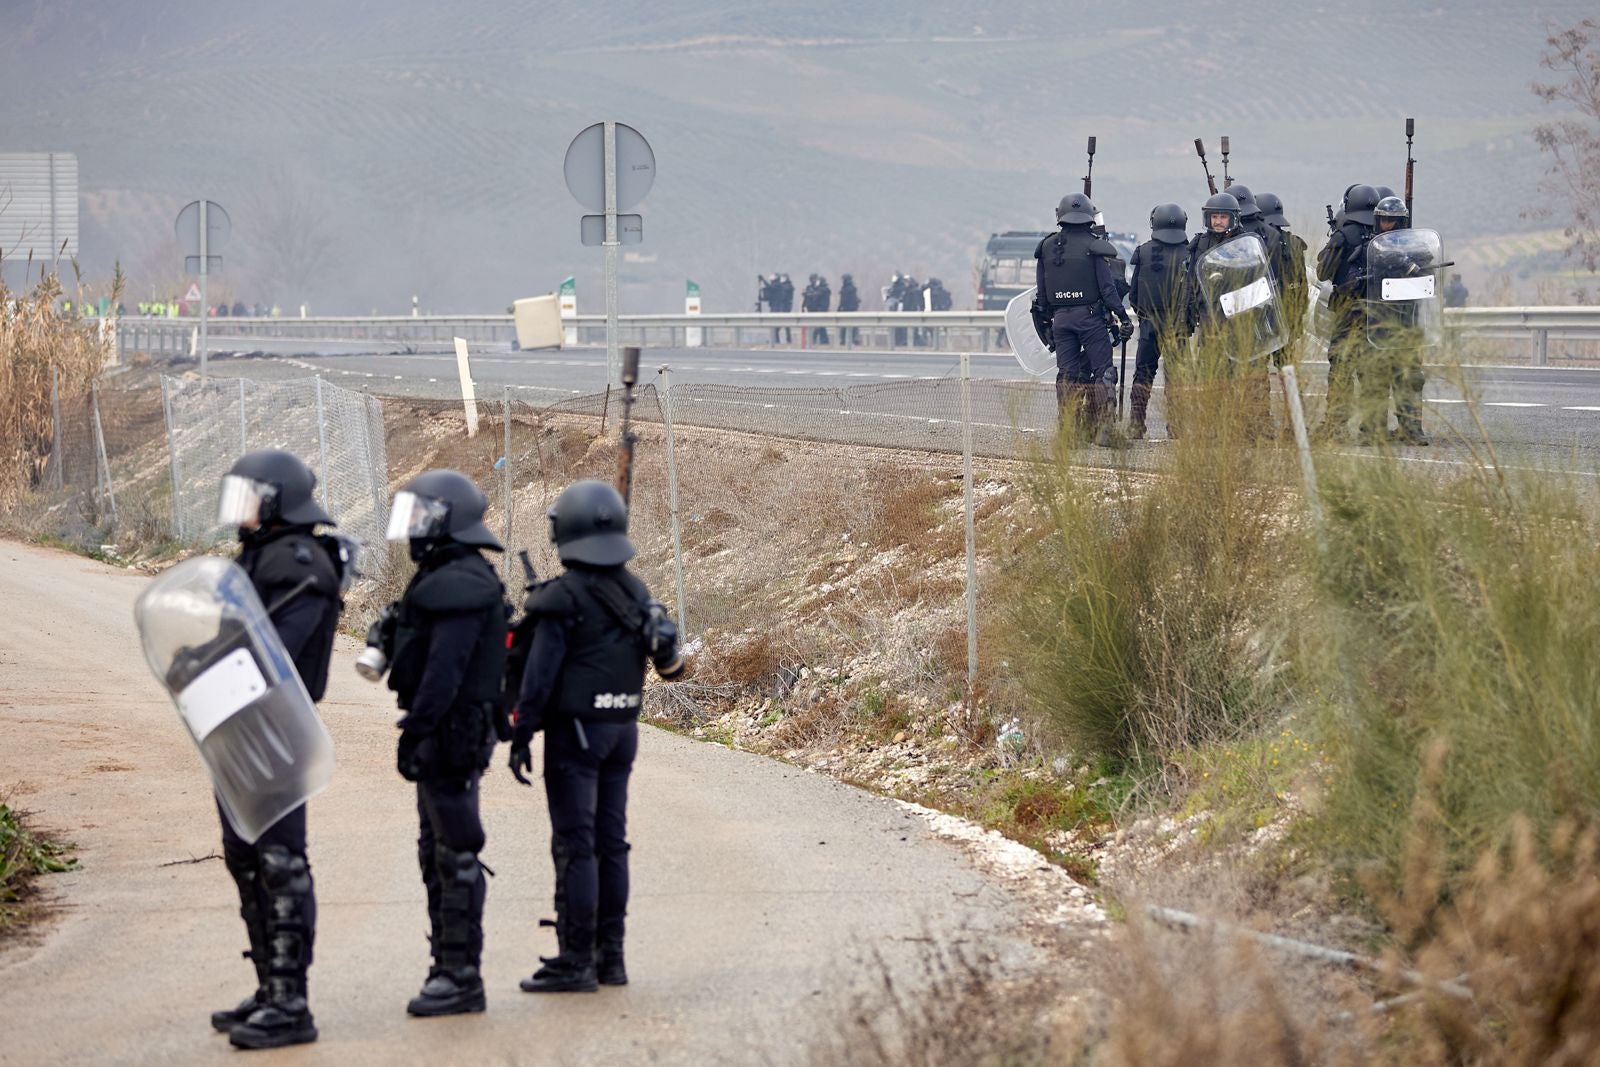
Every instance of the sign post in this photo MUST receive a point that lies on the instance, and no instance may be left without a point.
(569, 310)
(202, 228)
(693, 336)
(609, 168)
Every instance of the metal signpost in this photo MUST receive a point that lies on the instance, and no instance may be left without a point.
(202, 228)
(609, 168)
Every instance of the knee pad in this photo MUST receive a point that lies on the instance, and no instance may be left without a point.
(284, 873)
(456, 868)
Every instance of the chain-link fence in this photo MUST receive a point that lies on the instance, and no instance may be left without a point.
(338, 432)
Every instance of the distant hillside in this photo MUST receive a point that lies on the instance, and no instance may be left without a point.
(367, 151)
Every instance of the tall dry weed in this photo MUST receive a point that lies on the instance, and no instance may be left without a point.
(1150, 619)
(36, 340)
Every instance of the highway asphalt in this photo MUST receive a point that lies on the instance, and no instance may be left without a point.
(1539, 415)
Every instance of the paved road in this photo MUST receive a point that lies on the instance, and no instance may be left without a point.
(1541, 416)
(757, 887)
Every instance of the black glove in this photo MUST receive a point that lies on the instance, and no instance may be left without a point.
(415, 756)
(521, 760)
(1126, 330)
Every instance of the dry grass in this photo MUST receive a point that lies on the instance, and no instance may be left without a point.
(34, 342)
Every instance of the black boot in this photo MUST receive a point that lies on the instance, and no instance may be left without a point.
(244, 876)
(285, 1017)
(454, 985)
(610, 969)
(1138, 407)
(572, 969)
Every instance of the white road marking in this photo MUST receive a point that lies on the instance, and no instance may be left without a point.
(1443, 400)
(1581, 409)
(1511, 404)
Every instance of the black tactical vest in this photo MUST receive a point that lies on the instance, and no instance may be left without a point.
(1160, 266)
(465, 582)
(1069, 270)
(602, 677)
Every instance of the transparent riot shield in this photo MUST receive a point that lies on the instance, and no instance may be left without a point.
(1242, 300)
(1403, 304)
(1031, 352)
(209, 641)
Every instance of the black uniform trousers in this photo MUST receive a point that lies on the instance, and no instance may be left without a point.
(447, 813)
(587, 792)
(1083, 347)
(243, 861)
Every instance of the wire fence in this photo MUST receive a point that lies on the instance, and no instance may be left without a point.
(142, 464)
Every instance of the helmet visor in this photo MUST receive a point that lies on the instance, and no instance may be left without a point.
(243, 500)
(414, 517)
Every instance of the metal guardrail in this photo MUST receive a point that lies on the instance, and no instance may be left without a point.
(973, 331)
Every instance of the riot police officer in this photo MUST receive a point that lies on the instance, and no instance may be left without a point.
(449, 655)
(300, 576)
(1396, 369)
(1221, 219)
(594, 628)
(1157, 292)
(849, 300)
(1341, 262)
(1075, 274)
(1291, 270)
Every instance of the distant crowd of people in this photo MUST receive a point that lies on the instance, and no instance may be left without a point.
(169, 309)
(775, 292)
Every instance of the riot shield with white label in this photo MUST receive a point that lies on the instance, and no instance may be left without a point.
(209, 641)
(1242, 299)
(1031, 352)
(1403, 304)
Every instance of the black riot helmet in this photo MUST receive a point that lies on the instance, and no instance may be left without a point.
(270, 487)
(1271, 205)
(441, 505)
(1391, 207)
(1169, 224)
(1359, 203)
(1248, 209)
(1383, 191)
(1222, 203)
(1076, 210)
(589, 524)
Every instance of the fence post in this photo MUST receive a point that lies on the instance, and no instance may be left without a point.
(971, 528)
(56, 478)
(243, 445)
(322, 446)
(100, 448)
(664, 398)
(505, 415)
(1297, 416)
(1541, 351)
(172, 456)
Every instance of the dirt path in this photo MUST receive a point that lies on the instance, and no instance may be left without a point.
(758, 889)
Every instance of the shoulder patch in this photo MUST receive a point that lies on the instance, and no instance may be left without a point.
(1102, 247)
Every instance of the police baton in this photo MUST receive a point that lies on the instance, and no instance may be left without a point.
(1122, 378)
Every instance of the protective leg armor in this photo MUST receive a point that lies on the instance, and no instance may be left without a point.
(454, 985)
(245, 877)
(284, 1018)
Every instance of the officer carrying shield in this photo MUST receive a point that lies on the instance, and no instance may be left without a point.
(1074, 274)
(1157, 293)
(300, 576)
(594, 629)
(1403, 315)
(449, 650)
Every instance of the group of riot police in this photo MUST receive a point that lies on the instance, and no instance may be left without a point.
(1240, 285)
(578, 658)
